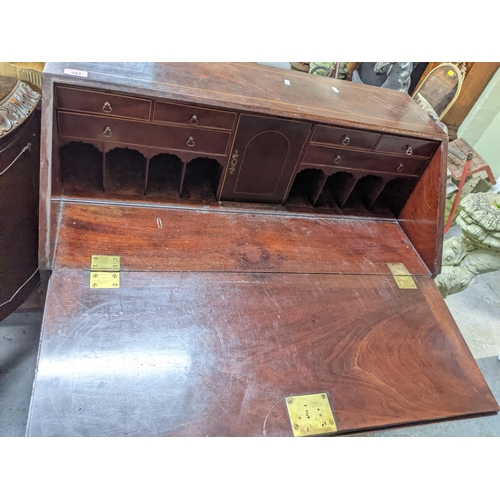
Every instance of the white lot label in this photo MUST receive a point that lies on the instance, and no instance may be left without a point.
(76, 72)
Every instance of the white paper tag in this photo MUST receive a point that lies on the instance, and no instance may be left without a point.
(287, 82)
(335, 89)
(75, 72)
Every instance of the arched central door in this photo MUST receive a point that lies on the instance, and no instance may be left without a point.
(263, 158)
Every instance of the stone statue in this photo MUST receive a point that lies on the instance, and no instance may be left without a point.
(477, 249)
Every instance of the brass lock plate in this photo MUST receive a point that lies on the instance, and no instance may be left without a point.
(310, 415)
(105, 263)
(104, 279)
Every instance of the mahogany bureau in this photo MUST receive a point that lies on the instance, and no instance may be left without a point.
(277, 235)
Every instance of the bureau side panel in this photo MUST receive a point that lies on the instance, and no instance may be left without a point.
(48, 156)
(422, 218)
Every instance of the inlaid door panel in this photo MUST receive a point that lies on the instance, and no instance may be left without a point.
(263, 158)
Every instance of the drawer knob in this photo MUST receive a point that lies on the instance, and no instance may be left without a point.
(194, 120)
(107, 132)
(106, 107)
(346, 140)
(409, 150)
(190, 142)
(337, 159)
(400, 168)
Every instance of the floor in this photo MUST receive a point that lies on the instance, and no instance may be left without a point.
(19, 336)
(476, 311)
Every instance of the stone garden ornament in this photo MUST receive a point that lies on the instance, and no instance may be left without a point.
(477, 249)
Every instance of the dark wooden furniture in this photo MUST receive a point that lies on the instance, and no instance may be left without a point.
(255, 212)
(19, 171)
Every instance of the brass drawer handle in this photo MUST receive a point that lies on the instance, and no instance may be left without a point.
(107, 132)
(234, 161)
(400, 168)
(194, 120)
(337, 159)
(346, 140)
(26, 148)
(106, 107)
(409, 150)
(190, 142)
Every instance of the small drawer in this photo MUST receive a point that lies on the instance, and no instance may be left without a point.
(357, 160)
(193, 116)
(407, 146)
(345, 137)
(102, 103)
(142, 134)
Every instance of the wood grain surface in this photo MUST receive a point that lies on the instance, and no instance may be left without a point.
(223, 89)
(215, 354)
(422, 217)
(215, 240)
(259, 89)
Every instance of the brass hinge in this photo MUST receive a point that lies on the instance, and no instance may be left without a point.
(401, 275)
(310, 415)
(105, 271)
